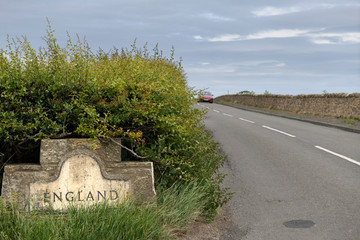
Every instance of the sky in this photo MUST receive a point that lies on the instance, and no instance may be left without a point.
(228, 46)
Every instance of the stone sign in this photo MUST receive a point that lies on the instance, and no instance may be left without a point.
(71, 172)
(80, 182)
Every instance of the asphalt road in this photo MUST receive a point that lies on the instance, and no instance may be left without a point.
(293, 180)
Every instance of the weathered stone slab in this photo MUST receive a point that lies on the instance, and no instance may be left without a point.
(80, 183)
(72, 172)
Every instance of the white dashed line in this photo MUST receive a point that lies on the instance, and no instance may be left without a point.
(338, 155)
(273, 129)
(227, 115)
(243, 119)
(216, 111)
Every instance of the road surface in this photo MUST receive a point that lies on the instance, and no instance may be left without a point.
(292, 179)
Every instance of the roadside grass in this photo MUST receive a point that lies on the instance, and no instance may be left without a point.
(165, 218)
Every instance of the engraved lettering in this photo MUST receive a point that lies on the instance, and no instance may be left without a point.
(113, 195)
(46, 196)
(103, 196)
(58, 197)
(71, 199)
(90, 196)
(79, 196)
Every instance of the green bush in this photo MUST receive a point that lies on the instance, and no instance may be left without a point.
(142, 98)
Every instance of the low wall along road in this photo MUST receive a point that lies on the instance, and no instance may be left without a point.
(344, 105)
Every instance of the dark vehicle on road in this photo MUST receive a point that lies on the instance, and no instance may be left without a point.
(206, 96)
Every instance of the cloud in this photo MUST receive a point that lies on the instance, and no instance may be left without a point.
(257, 74)
(243, 68)
(211, 69)
(262, 63)
(198, 37)
(314, 35)
(227, 38)
(282, 33)
(321, 41)
(276, 11)
(215, 18)
(273, 11)
(336, 38)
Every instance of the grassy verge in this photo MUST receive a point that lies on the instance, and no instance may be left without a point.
(174, 208)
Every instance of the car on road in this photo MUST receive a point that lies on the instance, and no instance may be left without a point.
(206, 96)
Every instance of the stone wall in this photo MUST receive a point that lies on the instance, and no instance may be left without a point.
(325, 104)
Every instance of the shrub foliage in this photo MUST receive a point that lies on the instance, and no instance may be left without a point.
(140, 97)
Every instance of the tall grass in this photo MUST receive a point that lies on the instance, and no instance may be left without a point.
(174, 208)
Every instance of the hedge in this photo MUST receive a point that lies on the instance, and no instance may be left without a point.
(142, 98)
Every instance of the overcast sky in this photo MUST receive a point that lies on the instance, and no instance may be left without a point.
(227, 46)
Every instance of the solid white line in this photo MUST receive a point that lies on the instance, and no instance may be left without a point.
(273, 129)
(243, 119)
(216, 111)
(227, 115)
(338, 155)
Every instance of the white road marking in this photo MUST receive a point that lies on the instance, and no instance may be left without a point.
(216, 111)
(227, 115)
(338, 155)
(273, 129)
(243, 119)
